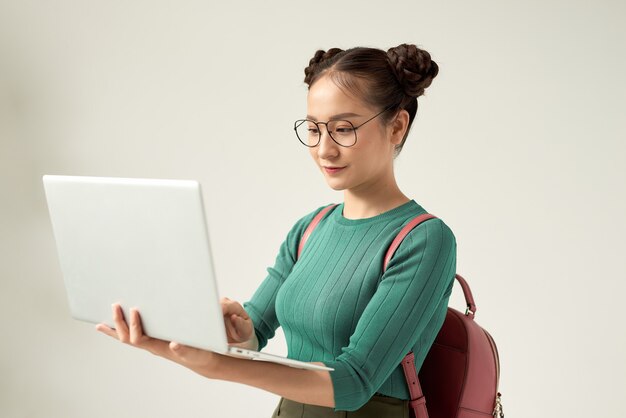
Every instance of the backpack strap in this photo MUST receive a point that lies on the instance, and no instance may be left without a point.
(316, 220)
(418, 402)
(402, 234)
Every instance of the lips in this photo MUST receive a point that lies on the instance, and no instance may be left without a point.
(332, 170)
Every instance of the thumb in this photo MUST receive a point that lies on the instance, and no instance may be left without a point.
(192, 357)
(184, 353)
(233, 331)
(177, 348)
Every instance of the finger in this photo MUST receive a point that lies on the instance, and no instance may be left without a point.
(233, 307)
(241, 312)
(243, 327)
(136, 329)
(106, 330)
(232, 331)
(226, 306)
(121, 327)
(139, 339)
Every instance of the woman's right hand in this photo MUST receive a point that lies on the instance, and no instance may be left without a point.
(239, 327)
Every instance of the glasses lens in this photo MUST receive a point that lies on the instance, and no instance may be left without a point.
(343, 132)
(307, 132)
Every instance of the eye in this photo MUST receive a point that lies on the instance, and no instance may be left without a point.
(343, 128)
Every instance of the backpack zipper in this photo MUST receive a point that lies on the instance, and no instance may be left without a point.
(498, 411)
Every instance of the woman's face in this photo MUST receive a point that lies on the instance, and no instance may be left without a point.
(367, 162)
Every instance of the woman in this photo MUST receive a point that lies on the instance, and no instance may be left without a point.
(335, 305)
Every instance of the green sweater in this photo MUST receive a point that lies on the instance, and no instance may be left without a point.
(336, 307)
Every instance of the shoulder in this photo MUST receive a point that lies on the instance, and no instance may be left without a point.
(431, 240)
(435, 228)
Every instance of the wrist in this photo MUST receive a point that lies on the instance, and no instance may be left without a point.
(254, 342)
(251, 344)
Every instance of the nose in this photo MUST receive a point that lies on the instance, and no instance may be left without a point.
(327, 148)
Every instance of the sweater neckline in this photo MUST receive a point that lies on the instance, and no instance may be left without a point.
(410, 206)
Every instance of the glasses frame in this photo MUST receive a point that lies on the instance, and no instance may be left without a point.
(299, 122)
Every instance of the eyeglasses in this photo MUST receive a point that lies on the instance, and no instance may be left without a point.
(343, 132)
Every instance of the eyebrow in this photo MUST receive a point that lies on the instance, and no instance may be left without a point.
(336, 117)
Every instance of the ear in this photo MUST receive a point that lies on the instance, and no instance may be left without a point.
(399, 127)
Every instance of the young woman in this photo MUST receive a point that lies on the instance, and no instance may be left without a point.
(335, 305)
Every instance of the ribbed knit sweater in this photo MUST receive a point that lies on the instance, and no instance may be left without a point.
(336, 306)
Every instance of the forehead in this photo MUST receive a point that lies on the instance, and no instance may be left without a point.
(326, 98)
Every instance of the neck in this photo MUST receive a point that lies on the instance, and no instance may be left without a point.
(373, 200)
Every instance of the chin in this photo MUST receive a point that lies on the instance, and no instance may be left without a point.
(335, 185)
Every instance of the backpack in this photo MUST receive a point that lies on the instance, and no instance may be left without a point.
(461, 372)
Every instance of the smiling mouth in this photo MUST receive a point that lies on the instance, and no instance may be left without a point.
(332, 170)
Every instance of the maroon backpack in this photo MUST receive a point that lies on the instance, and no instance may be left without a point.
(461, 371)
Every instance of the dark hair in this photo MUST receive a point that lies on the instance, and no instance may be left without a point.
(392, 79)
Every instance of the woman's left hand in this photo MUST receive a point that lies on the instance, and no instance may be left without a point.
(131, 333)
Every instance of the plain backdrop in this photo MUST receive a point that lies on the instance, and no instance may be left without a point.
(519, 145)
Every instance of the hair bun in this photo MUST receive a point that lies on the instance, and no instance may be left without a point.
(413, 68)
(319, 57)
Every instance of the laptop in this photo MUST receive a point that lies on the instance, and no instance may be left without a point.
(143, 243)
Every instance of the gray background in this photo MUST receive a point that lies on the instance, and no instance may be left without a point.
(518, 146)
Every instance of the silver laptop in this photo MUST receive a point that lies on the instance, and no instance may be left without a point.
(143, 243)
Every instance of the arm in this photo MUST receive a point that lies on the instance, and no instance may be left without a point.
(405, 313)
(306, 386)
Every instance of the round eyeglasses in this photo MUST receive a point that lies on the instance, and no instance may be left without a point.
(342, 132)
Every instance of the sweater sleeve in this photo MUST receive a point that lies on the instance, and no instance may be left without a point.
(261, 307)
(413, 290)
